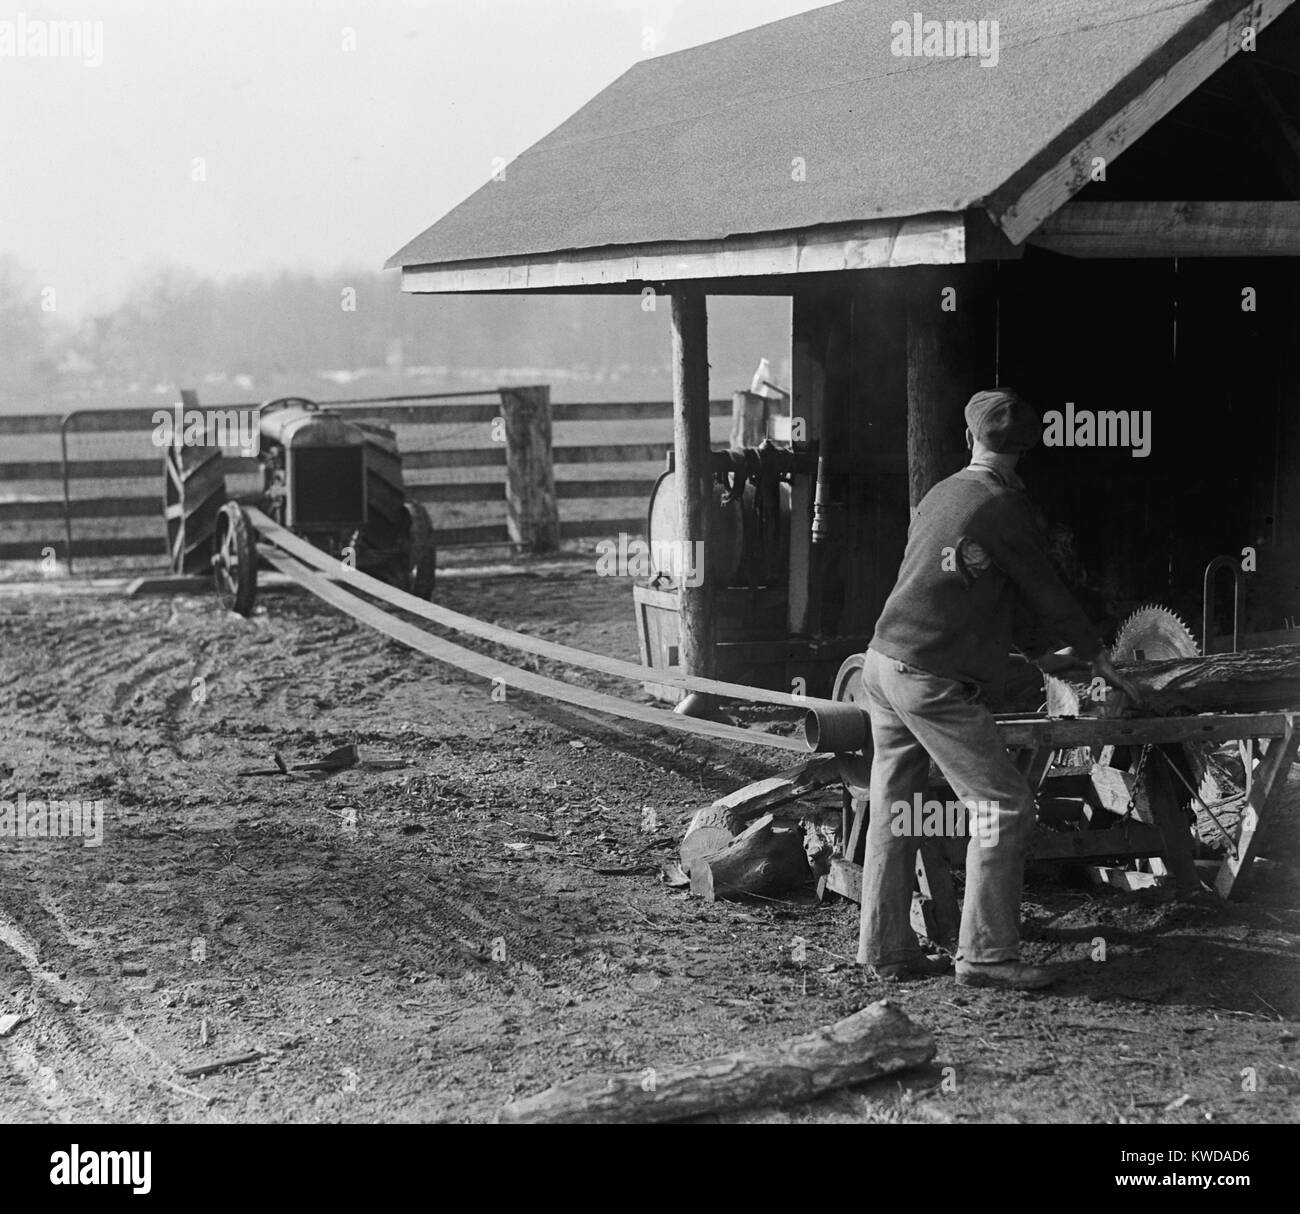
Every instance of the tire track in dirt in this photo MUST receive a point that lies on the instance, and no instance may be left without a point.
(80, 1068)
(482, 927)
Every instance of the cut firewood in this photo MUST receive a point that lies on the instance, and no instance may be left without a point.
(715, 826)
(713, 829)
(766, 859)
(789, 785)
(1122, 878)
(818, 848)
(1114, 789)
(878, 1040)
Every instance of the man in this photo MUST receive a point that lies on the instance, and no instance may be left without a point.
(975, 579)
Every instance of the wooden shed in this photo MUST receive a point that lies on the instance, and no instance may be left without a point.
(1103, 212)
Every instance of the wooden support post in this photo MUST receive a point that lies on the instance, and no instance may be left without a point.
(807, 406)
(532, 515)
(694, 478)
(937, 381)
(1034, 762)
(1267, 790)
(1175, 827)
(947, 353)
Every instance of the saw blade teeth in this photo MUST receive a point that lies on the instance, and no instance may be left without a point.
(1150, 615)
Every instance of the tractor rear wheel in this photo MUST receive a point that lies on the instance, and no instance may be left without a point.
(194, 490)
(234, 561)
(421, 551)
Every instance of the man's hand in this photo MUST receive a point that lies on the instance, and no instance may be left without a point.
(1103, 668)
(1060, 662)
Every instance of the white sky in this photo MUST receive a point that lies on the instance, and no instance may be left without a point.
(316, 157)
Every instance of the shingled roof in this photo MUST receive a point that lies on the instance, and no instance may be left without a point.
(699, 145)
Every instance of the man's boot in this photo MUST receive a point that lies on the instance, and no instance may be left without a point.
(1011, 975)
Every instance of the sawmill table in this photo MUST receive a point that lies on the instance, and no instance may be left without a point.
(1273, 738)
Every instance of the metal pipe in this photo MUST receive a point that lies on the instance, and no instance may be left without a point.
(1220, 562)
(836, 728)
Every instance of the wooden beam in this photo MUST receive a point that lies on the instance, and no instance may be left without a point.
(937, 238)
(1173, 229)
(1123, 117)
(1131, 839)
(690, 329)
(1137, 731)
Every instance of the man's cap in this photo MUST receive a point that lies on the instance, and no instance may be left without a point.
(1004, 421)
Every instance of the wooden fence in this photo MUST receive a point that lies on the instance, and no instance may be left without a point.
(90, 484)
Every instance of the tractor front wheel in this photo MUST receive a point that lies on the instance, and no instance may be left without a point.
(421, 552)
(234, 559)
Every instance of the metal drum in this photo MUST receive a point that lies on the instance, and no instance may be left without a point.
(724, 540)
(740, 549)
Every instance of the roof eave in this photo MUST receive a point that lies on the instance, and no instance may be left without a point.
(936, 238)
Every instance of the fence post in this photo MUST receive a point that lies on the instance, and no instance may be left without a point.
(67, 494)
(532, 515)
(748, 419)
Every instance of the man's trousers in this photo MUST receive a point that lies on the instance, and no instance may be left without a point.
(916, 716)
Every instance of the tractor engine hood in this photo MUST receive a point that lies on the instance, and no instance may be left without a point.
(298, 427)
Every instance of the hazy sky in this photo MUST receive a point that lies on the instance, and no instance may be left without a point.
(313, 155)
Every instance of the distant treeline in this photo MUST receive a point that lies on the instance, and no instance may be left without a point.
(175, 326)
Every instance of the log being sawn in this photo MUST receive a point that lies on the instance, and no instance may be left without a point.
(1256, 680)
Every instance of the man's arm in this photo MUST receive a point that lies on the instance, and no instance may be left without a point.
(1013, 540)
(1016, 545)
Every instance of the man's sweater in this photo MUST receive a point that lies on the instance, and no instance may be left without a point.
(976, 580)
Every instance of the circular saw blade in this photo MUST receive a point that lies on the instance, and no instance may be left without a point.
(1153, 634)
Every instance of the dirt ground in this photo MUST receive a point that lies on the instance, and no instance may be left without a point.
(426, 942)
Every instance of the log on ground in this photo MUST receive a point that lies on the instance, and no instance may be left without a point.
(766, 858)
(715, 826)
(878, 1040)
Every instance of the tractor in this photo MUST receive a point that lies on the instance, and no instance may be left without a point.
(334, 481)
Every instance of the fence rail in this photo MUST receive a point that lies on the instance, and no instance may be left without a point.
(26, 500)
(462, 457)
(396, 409)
